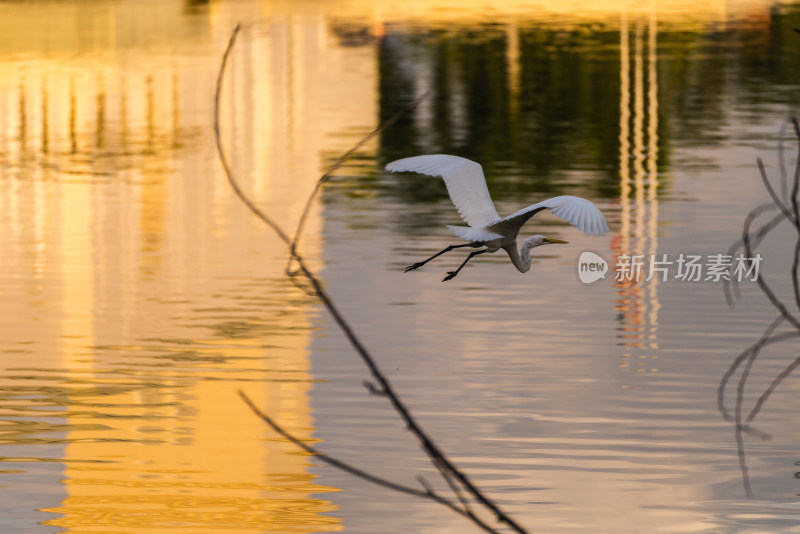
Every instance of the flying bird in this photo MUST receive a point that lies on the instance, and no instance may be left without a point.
(467, 188)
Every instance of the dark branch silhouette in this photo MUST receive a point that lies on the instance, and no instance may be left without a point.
(788, 205)
(731, 289)
(338, 163)
(428, 493)
(455, 478)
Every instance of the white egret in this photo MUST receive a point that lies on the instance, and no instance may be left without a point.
(467, 188)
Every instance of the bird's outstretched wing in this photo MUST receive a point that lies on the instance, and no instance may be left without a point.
(465, 184)
(575, 210)
(476, 235)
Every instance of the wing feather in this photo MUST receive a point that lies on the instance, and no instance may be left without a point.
(575, 210)
(476, 235)
(465, 184)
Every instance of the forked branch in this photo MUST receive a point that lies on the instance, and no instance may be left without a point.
(789, 207)
(450, 472)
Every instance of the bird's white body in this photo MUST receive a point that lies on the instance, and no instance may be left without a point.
(467, 188)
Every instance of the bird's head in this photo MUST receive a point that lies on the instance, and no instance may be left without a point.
(528, 244)
(538, 240)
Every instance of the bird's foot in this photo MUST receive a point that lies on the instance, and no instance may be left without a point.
(450, 276)
(414, 266)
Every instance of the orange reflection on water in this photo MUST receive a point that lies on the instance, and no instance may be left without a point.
(637, 301)
(145, 296)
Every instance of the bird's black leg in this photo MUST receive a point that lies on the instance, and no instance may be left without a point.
(452, 274)
(423, 262)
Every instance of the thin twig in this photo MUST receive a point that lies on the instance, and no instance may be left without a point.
(796, 184)
(740, 400)
(427, 443)
(796, 219)
(455, 489)
(338, 163)
(750, 354)
(761, 281)
(437, 456)
(768, 186)
(782, 158)
(221, 152)
(360, 473)
(730, 288)
(789, 369)
(777, 338)
(749, 241)
(794, 273)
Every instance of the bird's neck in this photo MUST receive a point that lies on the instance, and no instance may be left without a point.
(522, 258)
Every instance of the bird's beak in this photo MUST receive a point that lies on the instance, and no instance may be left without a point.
(553, 240)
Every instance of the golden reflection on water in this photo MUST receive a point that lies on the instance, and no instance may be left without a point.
(637, 301)
(142, 295)
(140, 288)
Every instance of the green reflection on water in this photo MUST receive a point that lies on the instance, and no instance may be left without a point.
(144, 297)
(538, 104)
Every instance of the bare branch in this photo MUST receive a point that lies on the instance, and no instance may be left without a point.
(436, 455)
(761, 281)
(221, 151)
(740, 400)
(338, 163)
(749, 356)
(789, 369)
(730, 288)
(768, 186)
(360, 473)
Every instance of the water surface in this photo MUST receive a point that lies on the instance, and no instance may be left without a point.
(139, 295)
